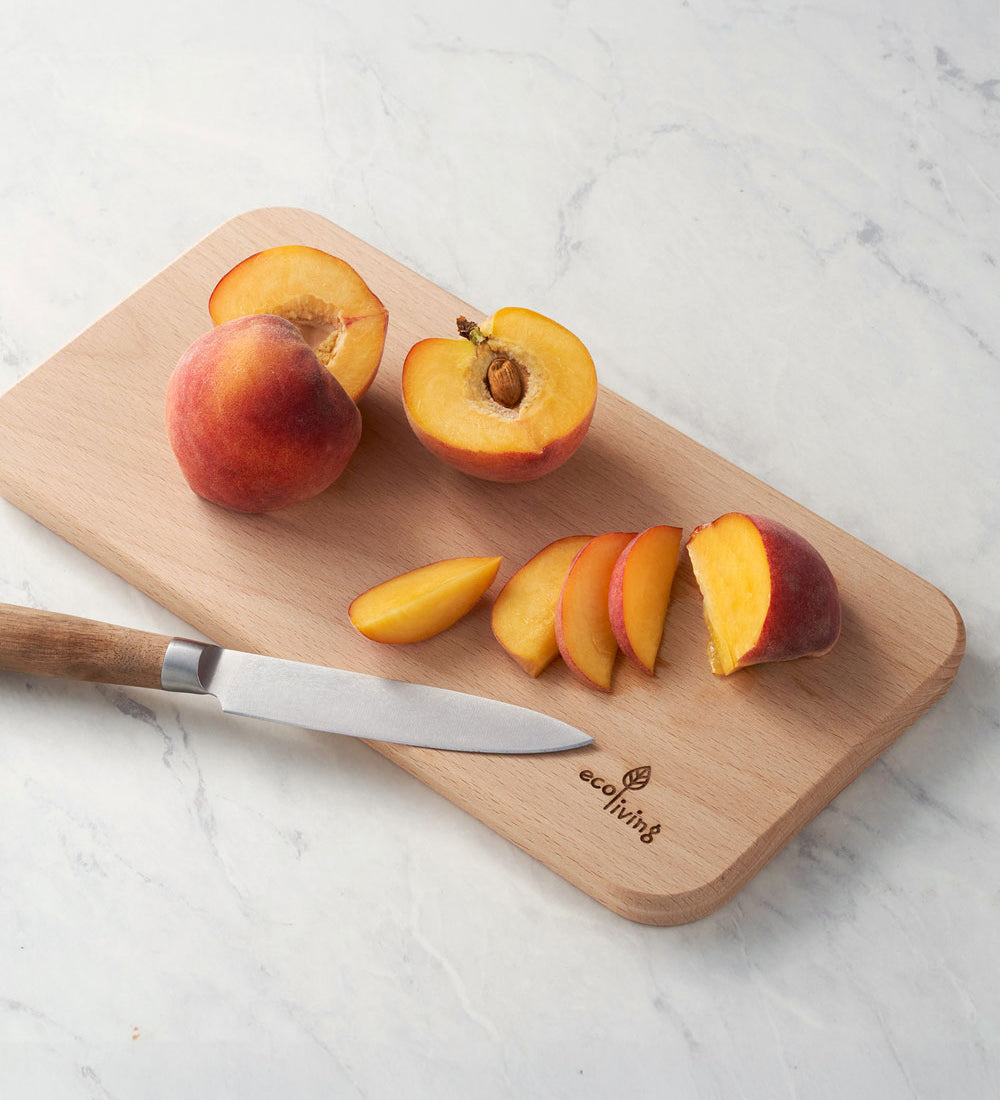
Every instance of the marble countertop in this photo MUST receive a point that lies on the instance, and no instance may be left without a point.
(777, 225)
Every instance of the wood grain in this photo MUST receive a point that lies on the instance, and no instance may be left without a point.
(732, 768)
(47, 643)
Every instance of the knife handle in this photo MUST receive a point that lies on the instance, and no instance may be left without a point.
(46, 643)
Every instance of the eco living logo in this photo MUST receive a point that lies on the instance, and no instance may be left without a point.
(618, 805)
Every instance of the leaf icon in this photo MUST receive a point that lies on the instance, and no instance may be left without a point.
(637, 778)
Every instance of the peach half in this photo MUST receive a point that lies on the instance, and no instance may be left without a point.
(255, 421)
(328, 301)
(639, 593)
(583, 626)
(418, 604)
(767, 593)
(524, 613)
(510, 400)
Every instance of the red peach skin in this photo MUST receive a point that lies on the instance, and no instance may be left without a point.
(255, 421)
(768, 593)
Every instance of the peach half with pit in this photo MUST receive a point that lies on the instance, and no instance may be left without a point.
(639, 593)
(510, 400)
(255, 420)
(328, 301)
(422, 602)
(768, 594)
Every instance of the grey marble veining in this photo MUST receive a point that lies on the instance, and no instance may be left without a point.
(776, 226)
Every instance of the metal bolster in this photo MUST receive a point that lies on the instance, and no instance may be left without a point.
(186, 664)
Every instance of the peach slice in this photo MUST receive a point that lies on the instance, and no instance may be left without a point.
(583, 626)
(423, 602)
(254, 420)
(640, 593)
(332, 306)
(510, 401)
(767, 593)
(524, 614)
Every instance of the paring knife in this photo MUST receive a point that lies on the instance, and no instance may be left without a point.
(312, 696)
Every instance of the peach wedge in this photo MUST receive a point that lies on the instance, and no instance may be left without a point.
(640, 593)
(524, 614)
(510, 400)
(332, 306)
(767, 593)
(583, 626)
(417, 605)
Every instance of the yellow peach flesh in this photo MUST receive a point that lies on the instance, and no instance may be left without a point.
(418, 604)
(583, 624)
(333, 307)
(447, 400)
(731, 567)
(524, 613)
(648, 574)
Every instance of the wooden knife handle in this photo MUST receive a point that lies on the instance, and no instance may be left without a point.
(45, 643)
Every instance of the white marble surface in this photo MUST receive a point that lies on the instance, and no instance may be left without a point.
(777, 227)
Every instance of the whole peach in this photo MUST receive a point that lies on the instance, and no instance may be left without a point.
(255, 420)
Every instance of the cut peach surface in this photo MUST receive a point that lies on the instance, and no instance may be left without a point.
(583, 626)
(524, 613)
(639, 593)
(422, 602)
(768, 595)
(509, 401)
(329, 302)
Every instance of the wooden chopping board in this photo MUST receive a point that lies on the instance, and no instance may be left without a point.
(719, 772)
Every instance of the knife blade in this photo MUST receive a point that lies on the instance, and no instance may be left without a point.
(251, 685)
